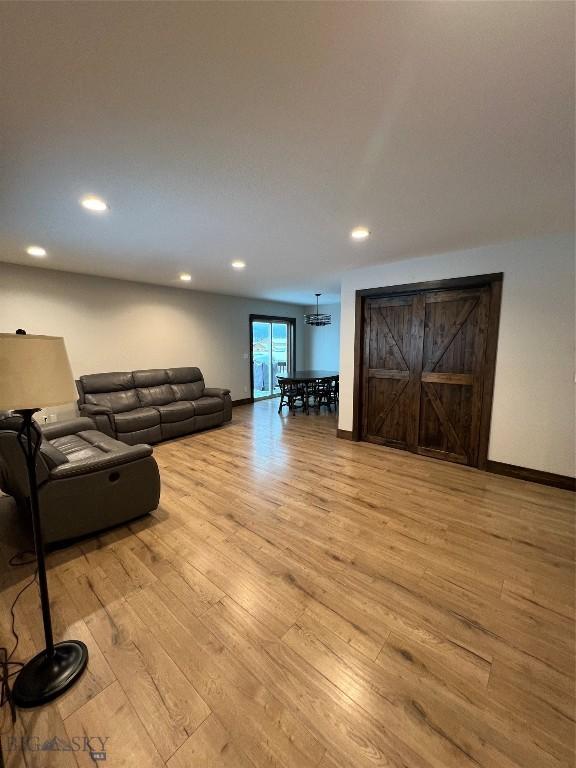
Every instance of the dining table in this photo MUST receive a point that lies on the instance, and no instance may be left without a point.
(308, 378)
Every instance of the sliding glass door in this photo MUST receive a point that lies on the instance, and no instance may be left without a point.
(272, 350)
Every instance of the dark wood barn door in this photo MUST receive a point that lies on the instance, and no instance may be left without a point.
(390, 370)
(425, 372)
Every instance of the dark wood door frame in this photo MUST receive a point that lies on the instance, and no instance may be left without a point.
(291, 343)
(493, 280)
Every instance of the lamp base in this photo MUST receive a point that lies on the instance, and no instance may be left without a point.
(43, 678)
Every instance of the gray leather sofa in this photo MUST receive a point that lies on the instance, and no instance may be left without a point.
(153, 405)
(87, 481)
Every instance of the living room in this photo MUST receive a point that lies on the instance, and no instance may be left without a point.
(287, 424)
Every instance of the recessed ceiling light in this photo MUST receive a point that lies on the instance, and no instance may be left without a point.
(185, 277)
(94, 204)
(360, 233)
(36, 250)
(238, 264)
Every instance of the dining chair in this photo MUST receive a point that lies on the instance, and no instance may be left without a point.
(334, 391)
(321, 394)
(290, 393)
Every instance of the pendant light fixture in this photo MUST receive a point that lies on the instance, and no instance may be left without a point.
(317, 318)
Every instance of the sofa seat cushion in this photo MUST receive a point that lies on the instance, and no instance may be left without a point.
(75, 448)
(205, 405)
(174, 412)
(134, 421)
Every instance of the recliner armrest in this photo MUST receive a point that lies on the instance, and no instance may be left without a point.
(70, 427)
(74, 468)
(216, 392)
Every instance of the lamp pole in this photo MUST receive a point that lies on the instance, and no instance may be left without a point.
(55, 669)
(30, 446)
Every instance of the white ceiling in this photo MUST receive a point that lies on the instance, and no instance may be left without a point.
(266, 131)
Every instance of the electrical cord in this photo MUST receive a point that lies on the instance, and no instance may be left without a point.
(31, 558)
(12, 609)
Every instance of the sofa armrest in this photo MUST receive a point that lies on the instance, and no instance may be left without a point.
(101, 416)
(88, 409)
(224, 395)
(216, 392)
(70, 427)
(74, 468)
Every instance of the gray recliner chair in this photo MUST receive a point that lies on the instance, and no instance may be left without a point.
(87, 481)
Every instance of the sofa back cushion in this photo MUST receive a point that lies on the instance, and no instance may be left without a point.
(112, 390)
(160, 395)
(186, 383)
(118, 402)
(96, 383)
(52, 456)
(151, 377)
(153, 388)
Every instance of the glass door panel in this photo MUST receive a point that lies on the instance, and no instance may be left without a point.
(261, 358)
(279, 353)
(272, 354)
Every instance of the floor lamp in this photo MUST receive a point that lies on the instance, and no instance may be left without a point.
(34, 374)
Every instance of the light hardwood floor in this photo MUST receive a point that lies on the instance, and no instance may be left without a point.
(302, 601)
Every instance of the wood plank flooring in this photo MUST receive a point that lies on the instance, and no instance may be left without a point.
(301, 601)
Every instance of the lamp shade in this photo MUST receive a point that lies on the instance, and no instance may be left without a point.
(34, 372)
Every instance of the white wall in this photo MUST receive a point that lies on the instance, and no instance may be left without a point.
(533, 409)
(115, 325)
(322, 345)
